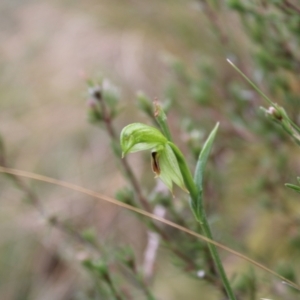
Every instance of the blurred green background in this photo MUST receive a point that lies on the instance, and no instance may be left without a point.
(176, 51)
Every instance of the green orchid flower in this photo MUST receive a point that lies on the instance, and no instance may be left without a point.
(137, 137)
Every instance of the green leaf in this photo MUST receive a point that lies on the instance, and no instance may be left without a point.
(198, 177)
(203, 157)
(293, 187)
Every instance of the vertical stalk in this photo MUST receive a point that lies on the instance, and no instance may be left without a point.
(196, 193)
(215, 256)
(145, 288)
(112, 287)
(112, 134)
(196, 197)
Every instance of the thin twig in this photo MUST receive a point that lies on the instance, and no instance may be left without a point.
(216, 23)
(30, 195)
(292, 6)
(111, 131)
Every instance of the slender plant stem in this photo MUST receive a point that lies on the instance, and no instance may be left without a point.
(291, 6)
(20, 184)
(132, 179)
(210, 12)
(216, 257)
(251, 83)
(144, 287)
(112, 287)
(280, 110)
(196, 195)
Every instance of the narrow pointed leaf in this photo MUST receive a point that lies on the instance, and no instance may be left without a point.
(198, 177)
(293, 187)
(203, 157)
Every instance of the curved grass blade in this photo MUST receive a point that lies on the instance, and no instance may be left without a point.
(144, 213)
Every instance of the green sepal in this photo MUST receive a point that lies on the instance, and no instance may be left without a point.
(169, 169)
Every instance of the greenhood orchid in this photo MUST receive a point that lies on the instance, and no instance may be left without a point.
(137, 137)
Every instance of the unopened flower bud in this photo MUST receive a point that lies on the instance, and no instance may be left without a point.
(275, 113)
(95, 92)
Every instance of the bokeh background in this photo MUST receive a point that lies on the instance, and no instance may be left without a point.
(176, 51)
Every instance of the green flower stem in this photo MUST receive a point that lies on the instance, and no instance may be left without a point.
(278, 108)
(196, 197)
(145, 288)
(214, 253)
(185, 171)
(113, 288)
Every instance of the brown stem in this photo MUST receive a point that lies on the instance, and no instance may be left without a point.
(291, 6)
(22, 186)
(216, 23)
(111, 131)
